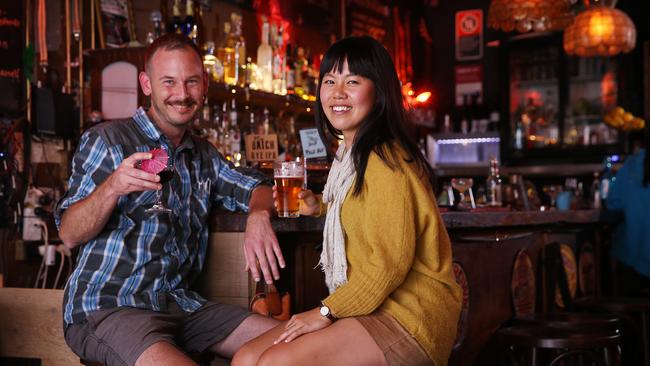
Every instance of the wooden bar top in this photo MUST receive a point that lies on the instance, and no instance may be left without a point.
(236, 222)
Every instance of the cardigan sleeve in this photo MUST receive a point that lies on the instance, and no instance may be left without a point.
(387, 227)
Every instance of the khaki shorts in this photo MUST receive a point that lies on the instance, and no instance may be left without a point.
(399, 347)
(119, 336)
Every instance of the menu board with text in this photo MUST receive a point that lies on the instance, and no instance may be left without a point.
(11, 48)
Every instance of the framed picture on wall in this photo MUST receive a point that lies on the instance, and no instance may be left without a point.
(115, 23)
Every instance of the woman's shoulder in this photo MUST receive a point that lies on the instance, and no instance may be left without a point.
(390, 160)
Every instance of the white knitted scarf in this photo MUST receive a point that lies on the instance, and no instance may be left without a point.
(333, 260)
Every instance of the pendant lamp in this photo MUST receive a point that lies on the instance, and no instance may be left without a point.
(529, 15)
(601, 30)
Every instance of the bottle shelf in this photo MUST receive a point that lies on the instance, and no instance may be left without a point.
(245, 97)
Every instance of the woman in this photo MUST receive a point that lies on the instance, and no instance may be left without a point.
(386, 255)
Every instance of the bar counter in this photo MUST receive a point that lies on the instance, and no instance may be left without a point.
(487, 250)
(235, 222)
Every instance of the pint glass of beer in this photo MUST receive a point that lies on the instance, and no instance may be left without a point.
(289, 177)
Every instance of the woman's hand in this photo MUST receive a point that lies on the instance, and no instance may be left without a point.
(303, 323)
(309, 202)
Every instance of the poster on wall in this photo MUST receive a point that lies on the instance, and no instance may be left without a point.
(469, 84)
(469, 35)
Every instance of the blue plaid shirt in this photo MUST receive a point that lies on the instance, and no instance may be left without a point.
(141, 260)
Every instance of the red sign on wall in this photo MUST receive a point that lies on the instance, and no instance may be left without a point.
(469, 34)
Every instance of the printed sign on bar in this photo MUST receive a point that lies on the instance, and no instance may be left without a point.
(261, 147)
(312, 145)
(469, 35)
(469, 83)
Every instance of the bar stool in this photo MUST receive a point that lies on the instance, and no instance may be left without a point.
(551, 345)
(632, 311)
(552, 337)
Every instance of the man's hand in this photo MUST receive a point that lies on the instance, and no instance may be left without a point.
(83, 220)
(303, 323)
(127, 178)
(261, 247)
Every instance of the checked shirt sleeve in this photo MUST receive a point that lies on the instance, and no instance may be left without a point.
(235, 185)
(91, 165)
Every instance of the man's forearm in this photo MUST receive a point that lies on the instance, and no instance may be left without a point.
(85, 219)
(261, 200)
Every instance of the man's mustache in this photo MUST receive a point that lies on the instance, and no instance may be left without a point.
(187, 102)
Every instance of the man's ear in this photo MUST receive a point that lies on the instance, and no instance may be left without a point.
(145, 83)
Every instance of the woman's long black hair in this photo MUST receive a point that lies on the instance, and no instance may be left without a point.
(386, 122)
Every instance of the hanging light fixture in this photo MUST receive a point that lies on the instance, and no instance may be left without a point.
(529, 15)
(601, 30)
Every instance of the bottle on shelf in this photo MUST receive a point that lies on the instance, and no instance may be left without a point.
(190, 26)
(211, 63)
(289, 69)
(157, 26)
(238, 43)
(267, 124)
(279, 85)
(224, 132)
(265, 60)
(493, 185)
(176, 25)
(234, 136)
(226, 55)
(301, 66)
(596, 201)
(206, 113)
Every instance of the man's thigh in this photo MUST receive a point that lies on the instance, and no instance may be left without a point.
(209, 325)
(119, 336)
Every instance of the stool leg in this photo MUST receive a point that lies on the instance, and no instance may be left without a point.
(644, 338)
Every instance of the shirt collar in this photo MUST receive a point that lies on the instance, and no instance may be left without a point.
(153, 132)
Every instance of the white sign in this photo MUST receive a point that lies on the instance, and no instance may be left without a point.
(312, 145)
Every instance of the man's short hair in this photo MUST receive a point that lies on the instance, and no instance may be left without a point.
(169, 42)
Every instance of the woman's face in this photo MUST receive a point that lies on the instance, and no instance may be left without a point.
(346, 99)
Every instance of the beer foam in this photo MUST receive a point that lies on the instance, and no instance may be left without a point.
(289, 176)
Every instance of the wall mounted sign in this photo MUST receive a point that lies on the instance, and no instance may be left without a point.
(312, 144)
(587, 270)
(522, 285)
(461, 279)
(11, 48)
(571, 270)
(261, 147)
(469, 35)
(469, 84)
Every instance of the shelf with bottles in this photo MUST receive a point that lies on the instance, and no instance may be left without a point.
(246, 97)
(556, 103)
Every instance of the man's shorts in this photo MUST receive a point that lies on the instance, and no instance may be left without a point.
(119, 336)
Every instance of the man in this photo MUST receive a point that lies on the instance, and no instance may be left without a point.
(128, 300)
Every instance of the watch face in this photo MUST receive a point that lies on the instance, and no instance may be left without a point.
(324, 311)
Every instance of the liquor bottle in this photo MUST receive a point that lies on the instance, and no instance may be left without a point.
(224, 132)
(301, 68)
(279, 86)
(226, 55)
(211, 63)
(176, 25)
(157, 25)
(596, 201)
(493, 185)
(206, 113)
(238, 43)
(289, 69)
(234, 136)
(190, 27)
(267, 124)
(265, 59)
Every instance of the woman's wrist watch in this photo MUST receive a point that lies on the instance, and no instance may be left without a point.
(326, 312)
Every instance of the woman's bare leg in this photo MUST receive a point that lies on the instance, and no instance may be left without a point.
(345, 342)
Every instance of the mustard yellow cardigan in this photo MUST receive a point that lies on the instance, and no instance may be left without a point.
(399, 257)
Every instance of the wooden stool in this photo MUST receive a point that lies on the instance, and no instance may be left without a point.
(540, 343)
(635, 313)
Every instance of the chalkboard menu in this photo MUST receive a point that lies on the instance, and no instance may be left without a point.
(11, 49)
(370, 18)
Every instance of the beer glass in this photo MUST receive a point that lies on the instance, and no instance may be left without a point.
(289, 178)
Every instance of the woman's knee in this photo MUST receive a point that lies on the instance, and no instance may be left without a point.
(276, 356)
(245, 356)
